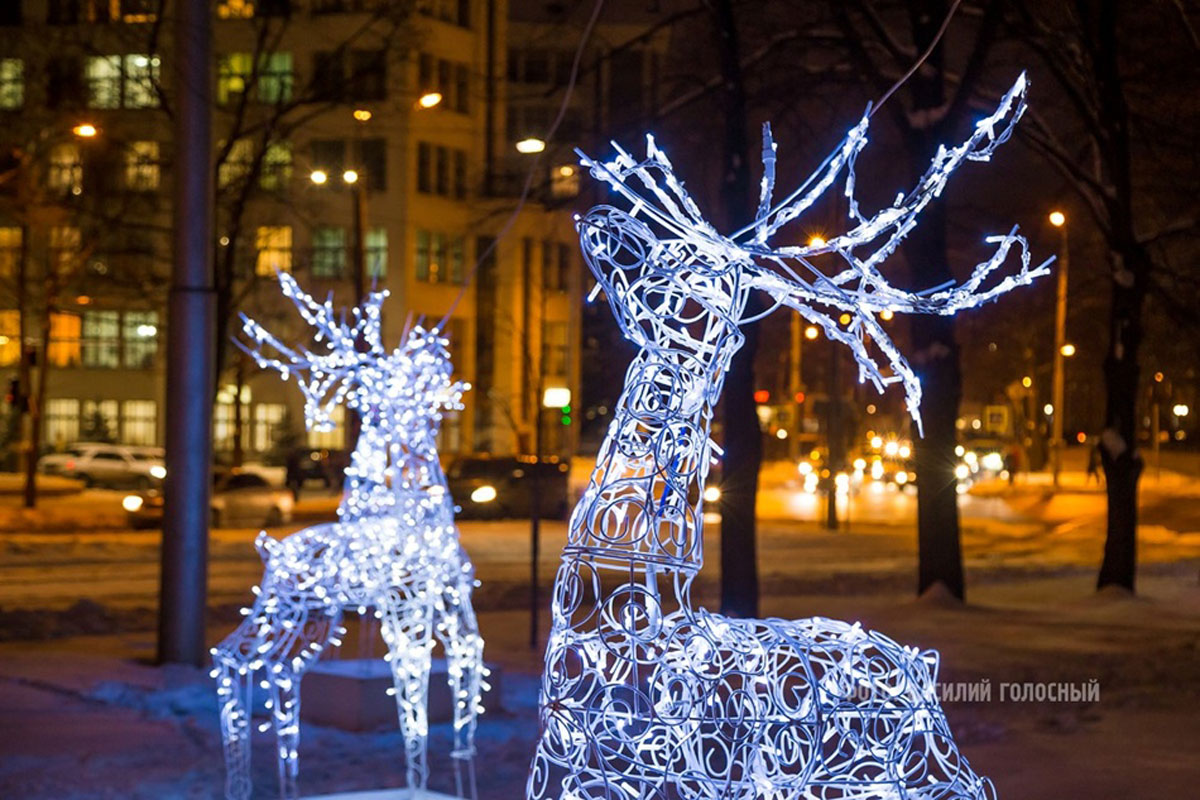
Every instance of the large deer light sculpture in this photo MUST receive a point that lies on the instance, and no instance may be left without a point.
(394, 550)
(645, 697)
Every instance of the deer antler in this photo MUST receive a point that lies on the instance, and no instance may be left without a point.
(860, 289)
(325, 378)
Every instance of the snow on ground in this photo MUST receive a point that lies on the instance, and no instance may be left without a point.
(83, 715)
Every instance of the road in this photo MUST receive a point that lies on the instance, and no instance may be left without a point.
(1026, 528)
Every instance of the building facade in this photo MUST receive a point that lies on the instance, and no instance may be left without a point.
(359, 144)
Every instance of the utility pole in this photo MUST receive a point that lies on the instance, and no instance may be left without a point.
(191, 345)
(1059, 220)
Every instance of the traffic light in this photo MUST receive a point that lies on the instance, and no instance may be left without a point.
(16, 400)
(566, 415)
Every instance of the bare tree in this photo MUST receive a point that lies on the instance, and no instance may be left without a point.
(1127, 76)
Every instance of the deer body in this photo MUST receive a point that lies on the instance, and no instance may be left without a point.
(644, 696)
(394, 550)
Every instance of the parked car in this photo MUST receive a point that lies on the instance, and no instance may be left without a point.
(316, 464)
(503, 487)
(114, 465)
(238, 499)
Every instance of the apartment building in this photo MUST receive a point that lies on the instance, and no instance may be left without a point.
(338, 125)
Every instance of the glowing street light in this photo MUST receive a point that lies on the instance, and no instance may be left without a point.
(350, 176)
(886, 315)
(1048, 409)
(811, 332)
(429, 100)
(1027, 382)
(362, 115)
(1058, 219)
(531, 145)
(1180, 410)
(1067, 350)
(85, 130)
(319, 176)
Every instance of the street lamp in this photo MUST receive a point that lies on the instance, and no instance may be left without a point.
(319, 176)
(85, 130)
(531, 145)
(429, 99)
(1059, 220)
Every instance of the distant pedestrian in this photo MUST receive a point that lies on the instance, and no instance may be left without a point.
(294, 478)
(1094, 465)
(1012, 462)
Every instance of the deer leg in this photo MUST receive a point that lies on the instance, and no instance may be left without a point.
(407, 629)
(460, 637)
(285, 714)
(234, 694)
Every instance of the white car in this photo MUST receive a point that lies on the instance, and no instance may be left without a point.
(107, 465)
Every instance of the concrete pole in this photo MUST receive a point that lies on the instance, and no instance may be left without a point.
(191, 358)
(1060, 340)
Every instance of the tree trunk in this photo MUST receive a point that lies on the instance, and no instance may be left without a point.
(935, 352)
(239, 417)
(743, 437)
(1130, 265)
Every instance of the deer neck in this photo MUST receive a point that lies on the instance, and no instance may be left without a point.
(387, 475)
(643, 509)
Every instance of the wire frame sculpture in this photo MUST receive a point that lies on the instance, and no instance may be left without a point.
(645, 696)
(394, 552)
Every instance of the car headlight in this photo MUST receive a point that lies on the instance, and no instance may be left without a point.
(484, 494)
(712, 494)
(962, 472)
(158, 472)
(993, 461)
(132, 503)
(901, 477)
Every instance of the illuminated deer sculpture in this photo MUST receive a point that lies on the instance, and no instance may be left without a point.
(644, 696)
(394, 549)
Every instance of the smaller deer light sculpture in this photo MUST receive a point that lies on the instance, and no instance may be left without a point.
(644, 696)
(394, 550)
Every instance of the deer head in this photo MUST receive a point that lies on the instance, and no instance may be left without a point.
(664, 267)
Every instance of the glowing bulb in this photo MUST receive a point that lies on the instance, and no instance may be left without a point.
(1068, 350)
(1058, 219)
(811, 332)
(363, 115)
(531, 145)
(712, 494)
(817, 241)
(887, 315)
(132, 503)
(319, 176)
(1027, 382)
(85, 130)
(350, 176)
(429, 99)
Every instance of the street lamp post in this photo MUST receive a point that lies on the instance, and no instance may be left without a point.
(1059, 220)
(551, 397)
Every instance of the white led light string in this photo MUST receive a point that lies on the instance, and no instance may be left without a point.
(645, 696)
(394, 552)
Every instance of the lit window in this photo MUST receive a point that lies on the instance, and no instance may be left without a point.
(236, 165)
(235, 9)
(139, 84)
(102, 339)
(66, 169)
(329, 252)
(65, 244)
(65, 333)
(141, 166)
(277, 166)
(234, 71)
(11, 241)
(235, 74)
(128, 81)
(274, 246)
(62, 421)
(103, 76)
(139, 422)
(275, 78)
(269, 425)
(10, 337)
(377, 252)
(100, 421)
(139, 331)
(440, 257)
(333, 439)
(12, 83)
